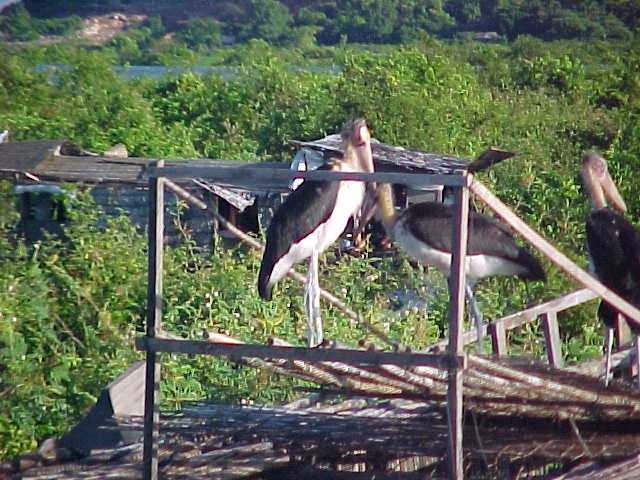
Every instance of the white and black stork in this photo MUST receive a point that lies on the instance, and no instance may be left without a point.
(424, 232)
(614, 247)
(311, 218)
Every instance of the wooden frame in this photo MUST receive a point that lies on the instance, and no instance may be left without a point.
(453, 360)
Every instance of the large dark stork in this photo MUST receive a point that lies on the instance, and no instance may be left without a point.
(312, 218)
(424, 232)
(614, 247)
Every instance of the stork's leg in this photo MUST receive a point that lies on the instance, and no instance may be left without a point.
(312, 303)
(476, 315)
(608, 340)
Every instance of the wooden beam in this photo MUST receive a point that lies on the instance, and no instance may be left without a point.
(556, 305)
(153, 327)
(498, 338)
(501, 325)
(356, 357)
(244, 176)
(553, 254)
(622, 332)
(184, 194)
(457, 283)
(552, 338)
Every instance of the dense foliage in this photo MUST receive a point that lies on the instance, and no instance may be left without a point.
(69, 311)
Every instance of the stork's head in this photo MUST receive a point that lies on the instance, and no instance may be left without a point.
(599, 184)
(356, 144)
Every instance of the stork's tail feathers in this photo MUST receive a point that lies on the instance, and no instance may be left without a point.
(532, 268)
(264, 286)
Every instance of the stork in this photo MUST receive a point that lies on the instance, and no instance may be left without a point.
(614, 247)
(311, 218)
(424, 232)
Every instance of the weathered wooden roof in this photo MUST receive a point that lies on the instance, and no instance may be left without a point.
(61, 161)
(390, 157)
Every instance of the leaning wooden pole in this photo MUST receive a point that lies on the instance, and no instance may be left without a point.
(154, 325)
(456, 327)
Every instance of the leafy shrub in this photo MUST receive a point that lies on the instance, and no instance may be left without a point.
(204, 31)
(564, 74)
(20, 25)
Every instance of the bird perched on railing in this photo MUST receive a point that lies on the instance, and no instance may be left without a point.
(311, 218)
(614, 247)
(424, 232)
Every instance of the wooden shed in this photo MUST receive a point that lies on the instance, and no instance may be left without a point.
(40, 167)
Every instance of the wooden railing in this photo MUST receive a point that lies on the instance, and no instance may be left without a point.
(547, 312)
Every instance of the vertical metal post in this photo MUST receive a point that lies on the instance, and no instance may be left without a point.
(456, 327)
(154, 325)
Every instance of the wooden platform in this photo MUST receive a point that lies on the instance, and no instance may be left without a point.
(520, 416)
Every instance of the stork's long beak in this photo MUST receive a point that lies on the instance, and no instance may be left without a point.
(363, 148)
(600, 184)
(611, 192)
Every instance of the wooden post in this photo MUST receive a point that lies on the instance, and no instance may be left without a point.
(154, 325)
(498, 338)
(622, 332)
(215, 224)
(456, 327)
(552, 338)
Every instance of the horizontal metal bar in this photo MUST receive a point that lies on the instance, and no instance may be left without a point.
(243, 175)
(356, 357)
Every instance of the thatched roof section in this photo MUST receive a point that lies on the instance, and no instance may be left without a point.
(520, 416)
(356, 438)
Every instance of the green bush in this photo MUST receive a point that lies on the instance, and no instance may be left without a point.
(69, 311)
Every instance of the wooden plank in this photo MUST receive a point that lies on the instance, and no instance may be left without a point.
(622, 332)
(242, 176)
(456, 325)
(356, 357)
(553, 254)
(552, 339)
(556, 305)
(153, 327)
(498, 338)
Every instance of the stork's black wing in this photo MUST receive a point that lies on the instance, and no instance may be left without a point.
(432, 223)
(298, 216)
